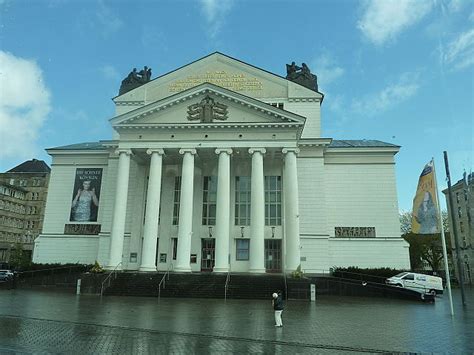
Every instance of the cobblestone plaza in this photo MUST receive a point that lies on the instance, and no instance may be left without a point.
(43, 322)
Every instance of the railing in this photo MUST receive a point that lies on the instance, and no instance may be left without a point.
(52, 270)
(108, 279)
(316, 272)
(50, 276)
(163, 279)
(226, 287)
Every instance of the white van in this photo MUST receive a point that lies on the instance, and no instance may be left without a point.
(417, 282)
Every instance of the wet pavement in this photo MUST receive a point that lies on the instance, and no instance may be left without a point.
(44, 322)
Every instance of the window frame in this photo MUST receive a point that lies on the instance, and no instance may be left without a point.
(238, 250)
(245, 206)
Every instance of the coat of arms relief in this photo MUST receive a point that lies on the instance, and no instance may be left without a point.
(207, 111)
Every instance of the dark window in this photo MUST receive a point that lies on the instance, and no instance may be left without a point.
(174, 242)
(177, 192)
(242, 200)
(242, 249)
(273, 200)
(209, 199)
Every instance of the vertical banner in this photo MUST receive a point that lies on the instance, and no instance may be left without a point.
(425, 216)
(86, 194)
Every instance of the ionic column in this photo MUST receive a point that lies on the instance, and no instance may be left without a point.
(150, 232)
(257, 206)
(292, 226)
(223, 211)
(120, 209)
(185, 228)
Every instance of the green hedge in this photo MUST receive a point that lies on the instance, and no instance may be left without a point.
(371, 274)
(56, 266)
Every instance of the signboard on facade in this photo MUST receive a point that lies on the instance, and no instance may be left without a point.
(231, 81)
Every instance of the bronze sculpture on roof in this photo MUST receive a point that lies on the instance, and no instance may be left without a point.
(302, 75)
(135, 79)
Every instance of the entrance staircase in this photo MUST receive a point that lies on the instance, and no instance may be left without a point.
(197, 285)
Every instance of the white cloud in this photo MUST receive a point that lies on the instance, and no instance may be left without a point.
(390, 96)
(107, 20)
(24, 106)
(385, 20)
(109, 72)
(216, 12)
(327, 70)
(457, 5)
(459, 53)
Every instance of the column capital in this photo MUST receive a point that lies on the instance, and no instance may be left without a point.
(187, 150)
(155, 150)
(123, 150)
(290, 150)
(257, 150)
(223, 150)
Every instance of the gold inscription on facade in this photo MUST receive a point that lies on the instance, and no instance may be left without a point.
(234, 82)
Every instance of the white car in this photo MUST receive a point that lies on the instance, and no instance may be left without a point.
(6, 275)
(417, 282)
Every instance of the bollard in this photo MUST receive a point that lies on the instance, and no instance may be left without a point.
(78, 287)
(313, 292)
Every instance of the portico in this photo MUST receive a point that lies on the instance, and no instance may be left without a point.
(224, 228)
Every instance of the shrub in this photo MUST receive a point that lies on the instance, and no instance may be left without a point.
(369, 274)
(297, 274)
(97, 269)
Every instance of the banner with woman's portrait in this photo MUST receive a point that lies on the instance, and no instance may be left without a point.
(86, 195)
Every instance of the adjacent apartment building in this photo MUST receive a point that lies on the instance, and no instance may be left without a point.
(23, 191)
(463, 207)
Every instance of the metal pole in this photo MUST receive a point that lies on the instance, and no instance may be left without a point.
(454, 228)
(443, 242)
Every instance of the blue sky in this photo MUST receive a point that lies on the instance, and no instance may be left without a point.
(398, 71)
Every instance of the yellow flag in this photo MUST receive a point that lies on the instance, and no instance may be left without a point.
(425, 217)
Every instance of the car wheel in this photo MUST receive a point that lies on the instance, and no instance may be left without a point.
(399, 285)
(433, 292)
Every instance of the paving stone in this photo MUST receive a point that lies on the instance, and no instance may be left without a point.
(51, 323)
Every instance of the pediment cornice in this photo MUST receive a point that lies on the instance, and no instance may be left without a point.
(205, 89)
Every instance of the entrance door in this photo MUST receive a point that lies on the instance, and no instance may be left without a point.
(273, 255)
(207, 254)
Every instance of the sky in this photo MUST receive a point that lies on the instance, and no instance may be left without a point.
(397, 71)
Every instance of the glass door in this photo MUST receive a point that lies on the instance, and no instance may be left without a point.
(207, 254)
(273, 255)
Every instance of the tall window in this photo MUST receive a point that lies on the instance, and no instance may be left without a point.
(174, 245)
(242, 200)
(209, 198)
(177, 193)
(273, 200)
(242, 249)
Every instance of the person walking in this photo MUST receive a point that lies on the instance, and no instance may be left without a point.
(277, 303)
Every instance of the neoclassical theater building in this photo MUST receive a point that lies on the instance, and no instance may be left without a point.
(220, 166)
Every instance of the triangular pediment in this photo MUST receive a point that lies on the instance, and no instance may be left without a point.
(220, 70)
(206, 104)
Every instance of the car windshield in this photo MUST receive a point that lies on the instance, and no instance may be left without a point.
(400, 274)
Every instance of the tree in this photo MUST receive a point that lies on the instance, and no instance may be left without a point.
(424, 247)
(19, 259)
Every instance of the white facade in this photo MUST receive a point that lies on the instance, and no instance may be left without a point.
(257, 189)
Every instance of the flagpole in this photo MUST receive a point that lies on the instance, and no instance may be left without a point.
(443, 242)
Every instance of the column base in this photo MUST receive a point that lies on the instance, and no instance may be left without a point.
(220, 269)
(182, 269)
(148, 268)
(257, 271)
